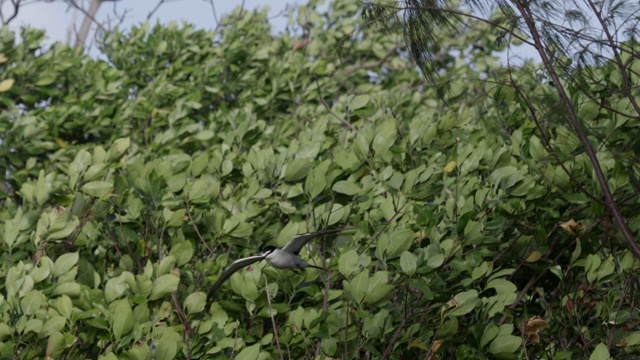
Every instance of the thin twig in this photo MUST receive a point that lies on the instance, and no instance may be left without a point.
(396, 335)
(611, 203)
(326, 106)
(235, 341)
(16, 7)
(193, 223)
(186, 337)
(273, 320)
(533, 281)
(155, 9)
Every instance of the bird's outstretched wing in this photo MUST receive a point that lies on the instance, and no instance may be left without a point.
(235, 266)
(299, 241)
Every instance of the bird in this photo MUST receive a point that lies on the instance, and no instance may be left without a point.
(284, 258)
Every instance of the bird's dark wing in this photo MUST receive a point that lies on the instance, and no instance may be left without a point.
(299, 241)
(235, 266)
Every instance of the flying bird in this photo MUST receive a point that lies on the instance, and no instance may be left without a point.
(284, 258)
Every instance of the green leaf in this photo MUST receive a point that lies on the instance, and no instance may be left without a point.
(167, 345)
(31, 302)
(182, 252)
(115, 287)
(502, 286)
(142, 285)
(348, 263)
(64, 306)
(535, 148)
(606, 268)
(408, 263)
(195, 302)
(591, 266)
(359, 102)
(346, 187)
(97, 188)
(490, 332)
(44, 187)
(249, 353)
(465, 302)
(204, 189)
(163, 286)
(218, 315)
(33, 325)
(377, 287)
(5, 331)
(448, 329)
(66, 231)
(119, 147)
(94, 171)
(122, 317)
(399, 242)
(173, 218)
(64, 263)
(317, 179)
(601, 352)
(298, 169)
(359, 286)
(479, 271)
(502, 174)
(473, 232)
(55, 345)
(71, 289)
(5, 85)
(385, 137)
(508, 344)
(54, 324)
(166, 264)
(632, 339)
(139, 352)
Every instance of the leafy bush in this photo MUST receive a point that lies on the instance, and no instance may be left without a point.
(132, 182)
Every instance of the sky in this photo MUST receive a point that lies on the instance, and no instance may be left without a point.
(55, 17)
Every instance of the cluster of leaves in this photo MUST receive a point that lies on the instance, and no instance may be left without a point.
(130, 184)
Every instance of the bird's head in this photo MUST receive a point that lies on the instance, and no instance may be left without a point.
(268, 250)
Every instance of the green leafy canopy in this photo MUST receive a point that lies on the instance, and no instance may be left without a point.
(130, 183)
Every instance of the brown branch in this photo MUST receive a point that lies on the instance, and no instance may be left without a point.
(78, 229)
(396, 335)
(185, 323)
(611, 203)
(533, 281)
(197, 231)
(326, 106)
(16, 7)
(548, 145)
(273, 320)
(153, 11)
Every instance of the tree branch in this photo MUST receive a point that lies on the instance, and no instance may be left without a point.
(577, 126)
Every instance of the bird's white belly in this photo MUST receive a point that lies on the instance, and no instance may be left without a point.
(283, 260)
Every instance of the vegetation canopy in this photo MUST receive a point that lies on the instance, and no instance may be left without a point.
(130, 183)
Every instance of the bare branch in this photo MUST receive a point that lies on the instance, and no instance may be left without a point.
(213, 10)
(155, 9)
(16, 7)
(89, 17)
(612, 205)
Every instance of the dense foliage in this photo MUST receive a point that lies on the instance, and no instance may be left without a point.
(130, 183)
